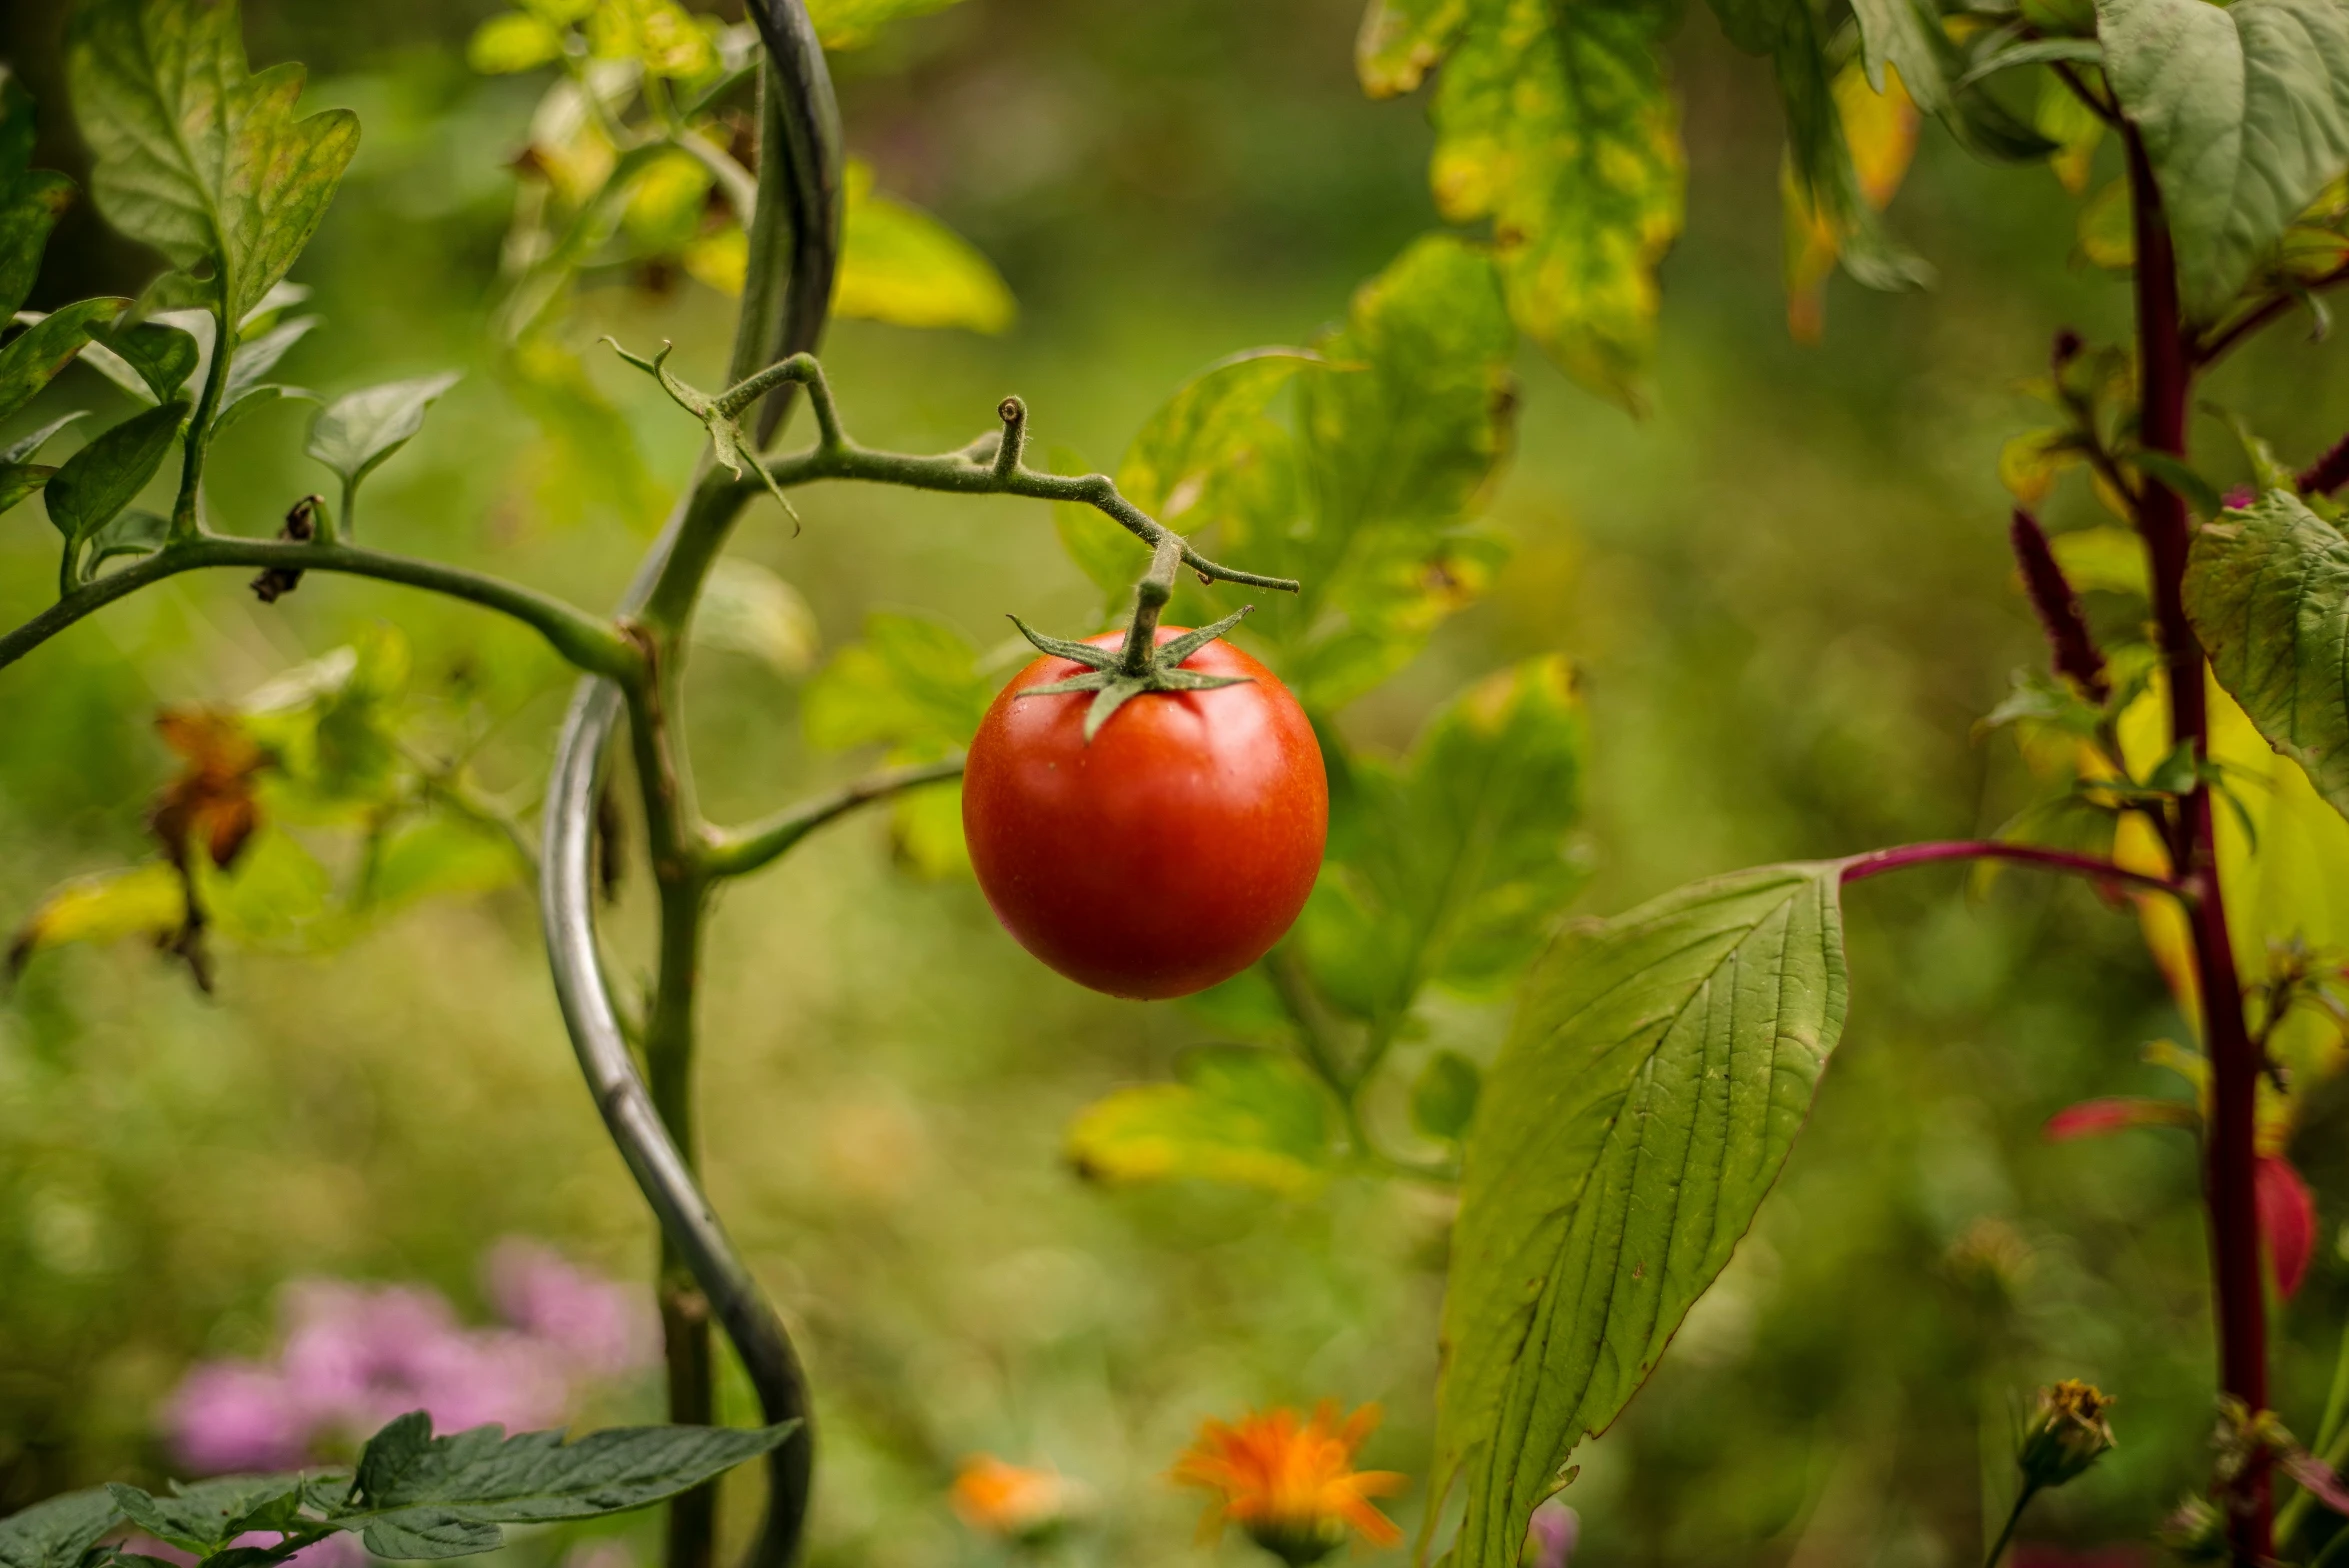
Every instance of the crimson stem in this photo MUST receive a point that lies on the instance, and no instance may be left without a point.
(2166, 375)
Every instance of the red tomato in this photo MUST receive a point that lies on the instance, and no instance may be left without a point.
(1168, 854)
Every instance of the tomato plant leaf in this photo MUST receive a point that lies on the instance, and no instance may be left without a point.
(1659, 1067)
(2244, 112)
(195, 154)
(159, 356)
(144, 900)
(1201, 438)
(204, 1516)
(1450, 868)
(357, 432)
(31, 200)
(1239, 1115)
(2267, 589)
(133, 532)
(98, 481)
(420, 1496)
(913, 685)
(1554, 122)
(34, 356)
(56, 1532)
(900, 265)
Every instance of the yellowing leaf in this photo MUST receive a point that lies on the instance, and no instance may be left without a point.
(1880, 129)
(2106, 238)
(2030, 464)
(666, 202)
(1247, 1117)
(513, 41)
(2074, 128)
(1554, 122)
(2110, 559)
(146, 900)
(669, 40)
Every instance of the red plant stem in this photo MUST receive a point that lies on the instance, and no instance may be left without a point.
(2166, 376)
(1901, 856)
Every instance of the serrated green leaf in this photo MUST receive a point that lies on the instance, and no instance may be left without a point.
(1453, 867)
(849, 24)
(98, 481)
(2267, 589)
(204, 1516)
(1443, 1101)
(194, 154)
(900, 265)
(55, 1533)
(2244, 112)
(913, 685)
(1555, 123)
(1658, 1070)
(417, 1496)
(1239, 1115)
(356, 432)
(35, 355)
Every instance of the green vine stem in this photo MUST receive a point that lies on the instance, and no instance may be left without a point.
(589, 643)
(743, 850)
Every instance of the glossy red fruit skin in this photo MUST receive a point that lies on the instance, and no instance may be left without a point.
(1168, 854)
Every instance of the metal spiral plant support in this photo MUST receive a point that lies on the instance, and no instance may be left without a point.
(794, 243)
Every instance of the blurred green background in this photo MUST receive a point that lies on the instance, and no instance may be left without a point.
(1787, 589)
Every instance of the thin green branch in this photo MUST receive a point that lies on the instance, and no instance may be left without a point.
(744, 850)
(739, 184)
(592, 645)
(197, 441)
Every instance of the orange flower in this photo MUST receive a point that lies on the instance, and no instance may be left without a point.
(1292, 1487)
(1012, 1501)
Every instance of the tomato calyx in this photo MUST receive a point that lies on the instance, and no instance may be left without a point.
(1141, 663)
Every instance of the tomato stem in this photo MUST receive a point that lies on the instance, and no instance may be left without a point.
(1139, 656)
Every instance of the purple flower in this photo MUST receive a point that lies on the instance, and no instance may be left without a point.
(1550, 1540)
(604, 1329)
(355, 1358)
(236, 1415)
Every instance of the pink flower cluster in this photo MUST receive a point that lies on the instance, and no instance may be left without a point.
(352, 1357)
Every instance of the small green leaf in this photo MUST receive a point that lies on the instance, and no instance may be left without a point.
(107, 475)
(747, 609)
(900, 265)
(195, 155)
(133, 532)
(332, 727)
(1443, 1101)
(2267, 589)
(55, 1533)
(1239, 1115)
(203, 1517)
(848, 24)
(254, 399)
(35, 355)
(1658, 1070)
(257, 355)
(1453, 868)
(25, 447)
(417, 1496)
(18, 481)
(439, 856)
(356, 432)
(2244, 112)
(160, 355)
(1907, 36)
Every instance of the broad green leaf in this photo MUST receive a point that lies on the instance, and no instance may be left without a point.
(55, 1533)
(420, 1496)
(1443, 1101)
(1658, 1070)
(900, 265)
(747, 609)
(1554, 122)
(105, 906)
(1213, 426)
(357, 431)
(1369, 505)
(1402, 40)
(913, 685)
(1239, 1115)
(439, 856)
(847, 24)
(194, 154)
(1452, 867)
(107, 475)
(2244, 112)
(36, 354)
(2267, 589)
